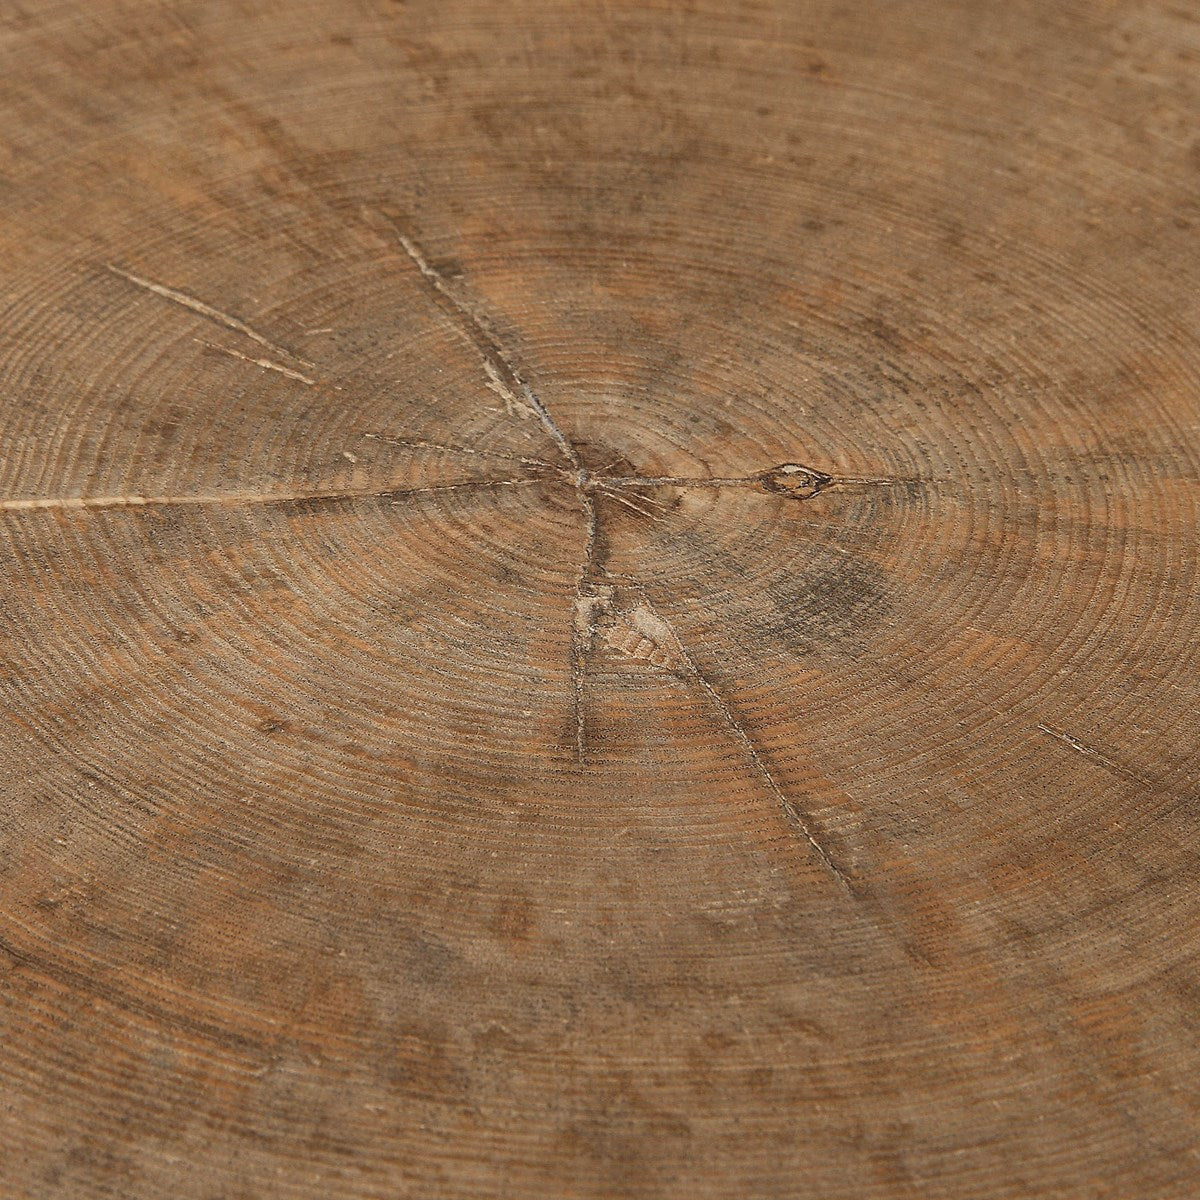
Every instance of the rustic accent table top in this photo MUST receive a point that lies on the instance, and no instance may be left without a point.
(599, 599)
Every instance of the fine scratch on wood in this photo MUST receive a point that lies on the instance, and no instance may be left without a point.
(448, 448)
(265, 363)
(643, 498)
(205, 310)
(86, 982)
(1100, 759)
(502, 375)
(664, 632)
(235, 499)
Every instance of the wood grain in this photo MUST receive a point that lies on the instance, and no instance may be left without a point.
(599, 599)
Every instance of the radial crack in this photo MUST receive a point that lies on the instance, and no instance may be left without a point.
(206, 310)
(583, 624)
(236, 499)
(697, 481)
(520, 401)
(503, 377)
(743, 739)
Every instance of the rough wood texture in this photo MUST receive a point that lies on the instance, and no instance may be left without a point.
(599, 599)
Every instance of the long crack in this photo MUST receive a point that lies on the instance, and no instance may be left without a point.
(248, 499)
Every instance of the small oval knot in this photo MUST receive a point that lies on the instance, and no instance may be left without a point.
(795, 481)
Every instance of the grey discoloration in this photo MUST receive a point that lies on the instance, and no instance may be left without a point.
(835, 602)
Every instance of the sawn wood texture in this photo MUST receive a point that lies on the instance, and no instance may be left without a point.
(599, 600)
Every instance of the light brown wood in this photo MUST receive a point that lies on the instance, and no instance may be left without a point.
(599, 599)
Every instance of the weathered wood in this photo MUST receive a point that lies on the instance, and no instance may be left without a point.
(599, 599)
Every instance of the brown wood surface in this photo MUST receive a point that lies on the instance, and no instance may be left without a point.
(599, 599)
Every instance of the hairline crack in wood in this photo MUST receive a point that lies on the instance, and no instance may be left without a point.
(212, 314)
(734, 727)
(1096, 756)
(503, 377)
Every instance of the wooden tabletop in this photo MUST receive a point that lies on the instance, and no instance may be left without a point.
(599, 599)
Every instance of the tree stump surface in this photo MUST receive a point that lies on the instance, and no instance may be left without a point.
(599, 599)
